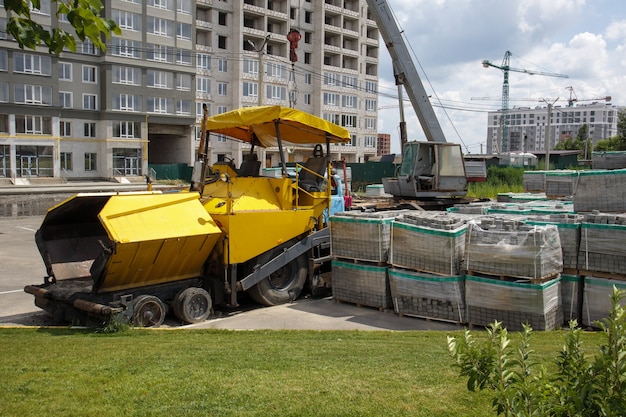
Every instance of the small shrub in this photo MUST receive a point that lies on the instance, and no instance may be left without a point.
(579, 387)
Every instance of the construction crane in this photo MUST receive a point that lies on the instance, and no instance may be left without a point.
(573, 98)
(505, 67)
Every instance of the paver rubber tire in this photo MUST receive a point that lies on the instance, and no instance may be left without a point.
(148, 311)
(284, 285)
(192, 305)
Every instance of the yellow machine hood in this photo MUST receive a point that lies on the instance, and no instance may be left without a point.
(262, 126)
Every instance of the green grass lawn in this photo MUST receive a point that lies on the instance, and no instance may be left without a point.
(62, 372)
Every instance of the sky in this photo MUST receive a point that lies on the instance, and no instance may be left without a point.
(449, 39)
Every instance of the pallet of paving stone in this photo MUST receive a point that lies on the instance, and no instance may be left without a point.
(428, 241)
(560, 183)
(571, 297)
(608, 160)
(534, 181)
(602, 190)
(428, 295)
(361, 284)
(568, 226)
(513, 303)
(362, 236)
(596, 299)
(520, 197)
(511, 248)
(603, 243)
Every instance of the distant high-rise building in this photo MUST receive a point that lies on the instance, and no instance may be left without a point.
(528, 127)
(383, 144)
(92, 114)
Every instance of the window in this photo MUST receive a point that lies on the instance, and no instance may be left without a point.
(183, 82)
(160, 27)
(33, 125)
(349, 102)
(221, 19)
(90, 161)
(126, 48)
(65, 128)
(32, 94)
(183, 107)
(331, 99)
(250, 89)
(126, 102)
(203, 85)
(90, 102)
(159, 105)
(203, 61)
(331, 78)
(276, 92)
(221, 109)
(222, 65)
(250, 66)
(4, 58)
(200, 110)
(126, 75)
(183, 31)
(370, 105)
(348, 120)
(350, 81)
(183, 57)
(89, 130)
(162, 4)
(89, 74)
(308, 16)
(66, 161)
(31, 64)
(307, 78)
(88, 48)
(128, 130)
(184, 6)
(371, 87)
(65, 99)
(276, 70)
(370, 141)
(331, 117)
(221, 42)
(4, 93)
(160, 79)
(127, 20)
(65, 71)
(221, 89)
(160, 53)
(370, 123)
(307, 58)
(307, 98)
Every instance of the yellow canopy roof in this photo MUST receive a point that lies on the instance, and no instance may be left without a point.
(257, 125)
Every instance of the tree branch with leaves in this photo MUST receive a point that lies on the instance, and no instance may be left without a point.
(83, 15)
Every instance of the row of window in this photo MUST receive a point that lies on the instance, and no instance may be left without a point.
(348, 81)
(129, 21)
(347, 101)
(349, 120)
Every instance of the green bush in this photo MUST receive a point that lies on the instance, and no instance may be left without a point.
(522, 387)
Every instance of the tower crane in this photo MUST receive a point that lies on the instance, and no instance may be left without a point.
(573, 98)
(505, 67)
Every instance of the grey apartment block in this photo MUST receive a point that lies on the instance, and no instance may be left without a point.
(94, 114)
(528, 126)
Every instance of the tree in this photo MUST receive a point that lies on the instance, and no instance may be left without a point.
(577, 144)
(83, 16)
(615, 143)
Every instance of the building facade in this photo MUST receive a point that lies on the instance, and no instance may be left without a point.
(528, 127)
(93, 114)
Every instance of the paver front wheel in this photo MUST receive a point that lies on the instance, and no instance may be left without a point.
(192, 305)
(148, 311)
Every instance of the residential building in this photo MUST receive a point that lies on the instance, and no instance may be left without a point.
(383, 144)
(92, 114)
(528, 126)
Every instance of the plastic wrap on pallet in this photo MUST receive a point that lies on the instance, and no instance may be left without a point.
(431, 243)
(560, 183)
(596, 298)
(428, 295)
(513, 303)
(603, 243)
(608, 160)
(512, 248)
(570, 288)
(568, 226)
(534, 180)
(362, 284)
(362, 236)
(603, 190)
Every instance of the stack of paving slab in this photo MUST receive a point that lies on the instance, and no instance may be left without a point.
(596, 299)
(571, 297)
(603, 244)
(511, 248)
(426, 256)
(608, 160)
(568, 226)
(534, 181)
(560, 183)
(603, 190)
(513, 274)
(360, 243)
